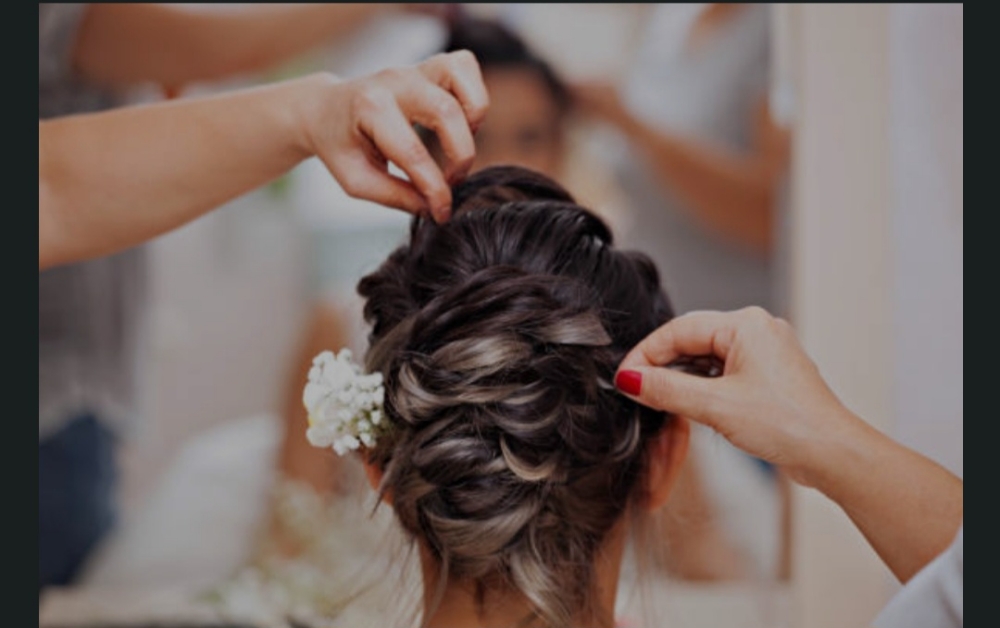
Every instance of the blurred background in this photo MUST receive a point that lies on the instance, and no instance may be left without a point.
(807, 158)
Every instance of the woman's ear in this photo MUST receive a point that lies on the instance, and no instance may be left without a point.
(666, 455)
(374, 474)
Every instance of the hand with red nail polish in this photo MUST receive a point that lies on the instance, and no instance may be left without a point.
(360, 125)
(629, 382)
(772, 402)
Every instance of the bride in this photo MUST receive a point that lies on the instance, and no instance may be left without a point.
(504, 451)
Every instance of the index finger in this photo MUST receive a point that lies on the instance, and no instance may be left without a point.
(459, 73)
(391, 133)
(692, 334)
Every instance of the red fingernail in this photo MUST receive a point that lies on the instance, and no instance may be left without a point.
(629, 382)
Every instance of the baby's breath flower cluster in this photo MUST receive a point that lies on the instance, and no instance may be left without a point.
(344, 404)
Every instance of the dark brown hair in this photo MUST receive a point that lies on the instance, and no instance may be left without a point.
(498, 334)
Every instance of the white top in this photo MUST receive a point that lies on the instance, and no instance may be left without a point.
(933, 597)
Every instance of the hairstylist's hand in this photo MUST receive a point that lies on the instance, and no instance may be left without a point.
(770, 400)
(360, 125)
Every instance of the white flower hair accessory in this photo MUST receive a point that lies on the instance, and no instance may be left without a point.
(344, 403)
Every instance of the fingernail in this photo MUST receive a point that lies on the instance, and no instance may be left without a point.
(629, 382)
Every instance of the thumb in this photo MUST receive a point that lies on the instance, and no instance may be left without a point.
(669, 390)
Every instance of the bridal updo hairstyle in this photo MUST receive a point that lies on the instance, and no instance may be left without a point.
(498, 334)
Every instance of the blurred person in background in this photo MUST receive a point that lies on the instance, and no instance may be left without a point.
(528, 125)
(710, 160)
(707, 167)
(90, 313)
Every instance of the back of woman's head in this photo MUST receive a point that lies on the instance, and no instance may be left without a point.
(498, 334)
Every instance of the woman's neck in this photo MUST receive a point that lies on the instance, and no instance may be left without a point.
(459, 607)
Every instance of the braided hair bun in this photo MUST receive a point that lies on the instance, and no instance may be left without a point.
(498, 334)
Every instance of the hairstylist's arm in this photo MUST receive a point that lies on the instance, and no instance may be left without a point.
(108, 181)
(177, 44)
(772, 402)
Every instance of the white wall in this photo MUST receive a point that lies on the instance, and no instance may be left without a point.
(877, 257)
(841, 280)
(925, 98)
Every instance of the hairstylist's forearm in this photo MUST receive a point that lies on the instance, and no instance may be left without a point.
(110, 180)
(126, 43)
(907, 506)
